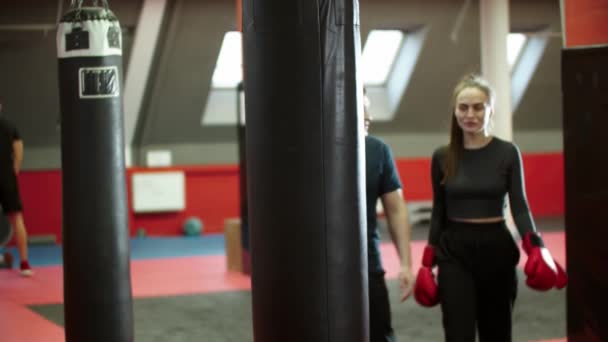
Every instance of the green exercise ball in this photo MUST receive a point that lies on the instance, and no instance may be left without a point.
(193, 226)
(141, 232)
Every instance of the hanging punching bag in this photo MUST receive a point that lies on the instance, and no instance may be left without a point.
(241, 134)
(97, 287)
(305, 170)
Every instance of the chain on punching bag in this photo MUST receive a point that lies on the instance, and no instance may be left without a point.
(97, 287)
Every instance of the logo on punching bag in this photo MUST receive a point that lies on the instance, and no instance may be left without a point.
(114, 37)
(98, 82)
(77, 39)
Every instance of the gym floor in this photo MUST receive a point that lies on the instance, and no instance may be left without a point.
(182, 292)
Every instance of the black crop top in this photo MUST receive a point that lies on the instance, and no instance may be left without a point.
(478, 190)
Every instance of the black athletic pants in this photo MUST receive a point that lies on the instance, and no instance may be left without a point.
(477, 281)
(380, 328)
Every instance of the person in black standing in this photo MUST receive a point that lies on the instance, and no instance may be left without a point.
(469, 242)
(383, 183)
(11, 156)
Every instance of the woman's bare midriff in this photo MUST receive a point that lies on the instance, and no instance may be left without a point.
(478, 220)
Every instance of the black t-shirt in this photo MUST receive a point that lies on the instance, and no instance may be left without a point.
(381, 178)
(484, 177)
(8, 134)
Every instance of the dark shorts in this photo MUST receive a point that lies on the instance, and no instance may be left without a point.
(10, 199)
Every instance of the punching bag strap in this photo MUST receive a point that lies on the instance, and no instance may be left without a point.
(103, 2)
(78, 4)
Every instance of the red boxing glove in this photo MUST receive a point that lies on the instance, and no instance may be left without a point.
(542, 272)
(426, 291)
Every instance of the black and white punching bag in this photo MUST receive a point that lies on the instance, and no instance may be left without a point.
(97, 286)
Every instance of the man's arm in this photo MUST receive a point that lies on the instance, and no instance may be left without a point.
(17, 154)
(400, 231)
(398, 226)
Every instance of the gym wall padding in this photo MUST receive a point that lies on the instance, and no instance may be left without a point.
(585, 22)
(585, 80)
(212, 193)
(585, 118)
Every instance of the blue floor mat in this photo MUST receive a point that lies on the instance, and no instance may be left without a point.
(141, 248)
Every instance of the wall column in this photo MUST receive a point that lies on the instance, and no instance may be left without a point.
(494, 27)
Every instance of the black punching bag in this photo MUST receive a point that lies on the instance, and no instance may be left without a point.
(305, 171)
(241, 134)
(97, 286)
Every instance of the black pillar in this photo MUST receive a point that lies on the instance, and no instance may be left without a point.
(585, 90)
(305, 170)
(97, 285)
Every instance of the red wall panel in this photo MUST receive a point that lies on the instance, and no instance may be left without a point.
(416, 178)
(41, 197)
(212, 194)
(545, 183)
(586, 22)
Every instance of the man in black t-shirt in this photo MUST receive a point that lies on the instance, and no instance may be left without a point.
(382, 183)
(11, 155)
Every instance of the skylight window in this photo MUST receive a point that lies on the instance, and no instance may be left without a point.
(228, 68)
(515, 44)
(525, 51)
(387, 62)
(378, 56)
